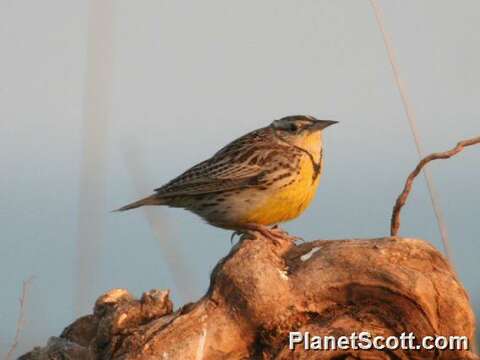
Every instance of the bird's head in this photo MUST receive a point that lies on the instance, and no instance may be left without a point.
(301, 130)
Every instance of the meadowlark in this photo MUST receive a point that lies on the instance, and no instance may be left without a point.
(263, 178)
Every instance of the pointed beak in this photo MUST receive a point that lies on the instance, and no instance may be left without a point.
(322, 124)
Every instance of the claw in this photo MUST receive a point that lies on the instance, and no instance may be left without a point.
(285, 235)
(232, 237)
(299, 240)
(248, 233)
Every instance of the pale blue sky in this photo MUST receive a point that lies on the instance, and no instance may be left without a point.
(188, 77)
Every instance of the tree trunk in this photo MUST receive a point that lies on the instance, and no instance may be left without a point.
(263, 290)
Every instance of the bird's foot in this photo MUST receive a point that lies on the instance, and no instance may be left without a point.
(276, 235)
(284, 234)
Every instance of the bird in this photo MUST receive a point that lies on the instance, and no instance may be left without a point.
(264, 178)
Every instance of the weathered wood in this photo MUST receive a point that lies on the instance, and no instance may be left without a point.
(262, 290)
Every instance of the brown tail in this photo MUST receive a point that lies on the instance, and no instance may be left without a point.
(149, 200)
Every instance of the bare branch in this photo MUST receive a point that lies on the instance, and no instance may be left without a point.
(402, 198)
(21, 317)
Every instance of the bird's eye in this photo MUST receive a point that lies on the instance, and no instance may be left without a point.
(293, 128)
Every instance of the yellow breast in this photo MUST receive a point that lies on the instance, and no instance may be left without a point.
(286, 203)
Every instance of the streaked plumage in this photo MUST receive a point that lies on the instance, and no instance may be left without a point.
(265, 177)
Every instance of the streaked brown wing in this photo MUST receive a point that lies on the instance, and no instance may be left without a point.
(211, 177)
(242, 163)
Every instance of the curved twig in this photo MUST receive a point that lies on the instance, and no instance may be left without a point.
(402, 198)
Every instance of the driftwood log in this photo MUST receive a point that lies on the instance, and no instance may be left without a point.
(262, 290)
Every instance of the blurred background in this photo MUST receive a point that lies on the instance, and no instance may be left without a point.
(101, 102)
